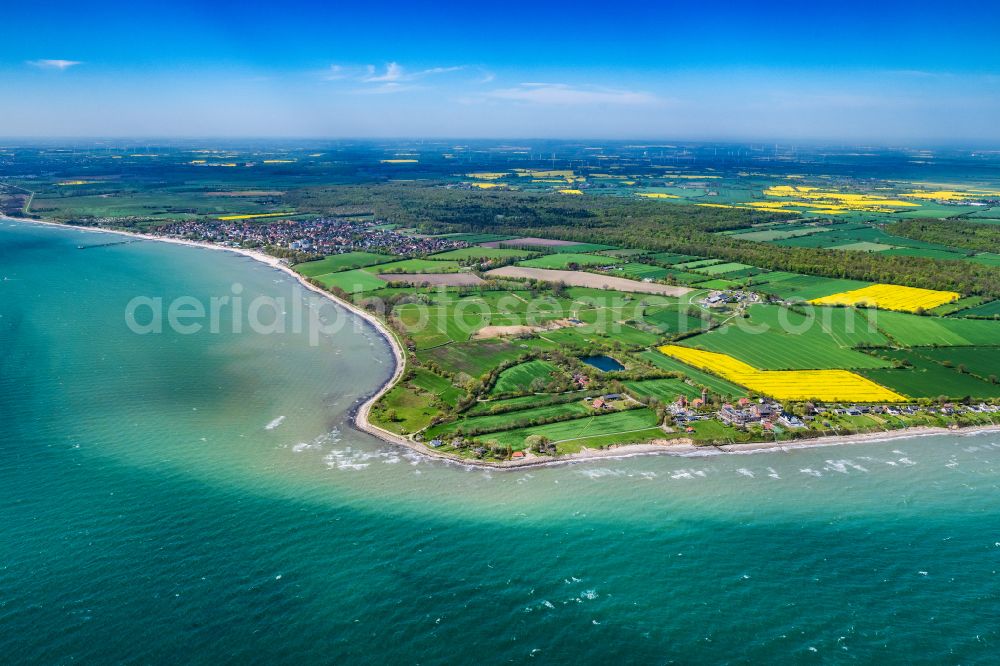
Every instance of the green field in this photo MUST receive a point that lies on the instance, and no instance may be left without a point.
(519, 378)
(509, 420)
(562, 261)
(352, 282)
(523, 402)
(579, 248)
(991, 309)
(983, 362)
(809, 349)
(672, 319)
(589, 426)
(764, 233)
(928, 379)
(612, 333)
(664, 390)
(776, 276)
(469, 253)
(437, 385)
(988, 258)
(720, 269)
(622, 254)
(926, 253)
(432, 325)
(416, 266)
(717, 284)
(847, 327)
(341, 262)
(808, 287)
(965, 303)
(863, 246)
(404, 409)
(637, 271)
(671, 259)
(614, 439)
(111, 199)
(475, 359)
(700, 263)
(915, 331)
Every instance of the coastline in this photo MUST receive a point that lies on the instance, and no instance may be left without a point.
(678, 447)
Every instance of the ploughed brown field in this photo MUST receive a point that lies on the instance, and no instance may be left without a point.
(582, 279)
(435, 279)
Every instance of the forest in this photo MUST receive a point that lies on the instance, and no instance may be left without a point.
(978, 236)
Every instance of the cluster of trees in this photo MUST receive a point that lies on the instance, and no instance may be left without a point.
(956, 233)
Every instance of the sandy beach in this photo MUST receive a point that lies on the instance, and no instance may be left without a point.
(675, 447)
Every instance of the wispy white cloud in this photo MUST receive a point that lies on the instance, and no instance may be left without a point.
(390, 78)
(61, 65)
(438, 70)
(568, 95)
(393, 72)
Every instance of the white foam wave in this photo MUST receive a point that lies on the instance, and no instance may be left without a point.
(274, 423)
(326, 439)
(842, 466)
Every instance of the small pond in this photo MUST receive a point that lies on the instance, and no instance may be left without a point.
(603, 363)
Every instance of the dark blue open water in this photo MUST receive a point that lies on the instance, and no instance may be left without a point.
(603, 363)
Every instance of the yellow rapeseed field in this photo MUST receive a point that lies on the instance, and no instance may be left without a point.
(891, 297)
(950, 195)
(251, 216)
(827, 385)
(536, 173)
(570, 191)
(485, 175)
(69, 183)
(657, 195)
(488, 186)
(839, 200)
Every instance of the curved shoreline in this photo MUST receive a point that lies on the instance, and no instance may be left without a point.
(359, 415)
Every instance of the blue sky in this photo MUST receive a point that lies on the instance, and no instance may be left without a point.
(849, 71)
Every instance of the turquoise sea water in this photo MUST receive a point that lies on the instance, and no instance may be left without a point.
(156, 507)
